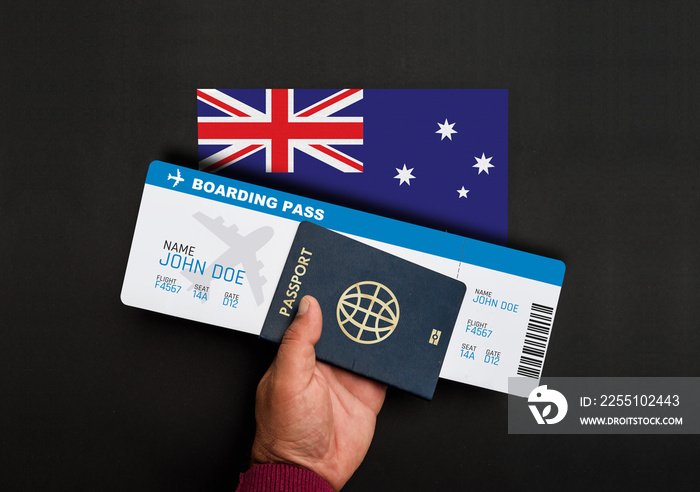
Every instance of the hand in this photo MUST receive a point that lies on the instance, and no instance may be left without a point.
(309, 413)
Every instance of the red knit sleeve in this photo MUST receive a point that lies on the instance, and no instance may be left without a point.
(281, 478)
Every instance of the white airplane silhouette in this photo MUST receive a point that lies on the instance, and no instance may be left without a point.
(242, 251)
(177, 178)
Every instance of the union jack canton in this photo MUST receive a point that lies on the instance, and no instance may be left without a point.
(279, 130)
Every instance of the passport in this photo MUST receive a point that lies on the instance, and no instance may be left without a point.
(383, 317)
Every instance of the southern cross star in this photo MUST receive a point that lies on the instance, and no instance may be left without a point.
(404, 175)
(483, 163)
(446, 130)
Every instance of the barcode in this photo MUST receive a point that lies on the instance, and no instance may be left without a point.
(536, 338)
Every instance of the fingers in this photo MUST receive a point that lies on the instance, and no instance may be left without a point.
(296, 357)
(307, 323)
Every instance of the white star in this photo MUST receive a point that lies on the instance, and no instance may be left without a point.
(446, 130)
(404, 175)
(463, 193)
(484, 163)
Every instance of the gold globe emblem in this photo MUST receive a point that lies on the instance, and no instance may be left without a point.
(368, 312)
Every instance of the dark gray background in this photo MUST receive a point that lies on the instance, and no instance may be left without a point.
(603, 158)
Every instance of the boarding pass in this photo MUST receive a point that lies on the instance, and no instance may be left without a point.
(212, 249)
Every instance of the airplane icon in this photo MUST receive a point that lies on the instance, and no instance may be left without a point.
(177, 178)
(242, 251)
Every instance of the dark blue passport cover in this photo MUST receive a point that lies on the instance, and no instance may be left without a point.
(383, 317)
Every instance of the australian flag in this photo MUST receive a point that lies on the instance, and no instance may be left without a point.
(434, 157)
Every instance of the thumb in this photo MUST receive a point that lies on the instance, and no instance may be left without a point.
(296, 358)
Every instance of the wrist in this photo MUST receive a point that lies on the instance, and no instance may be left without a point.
(260, 455)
